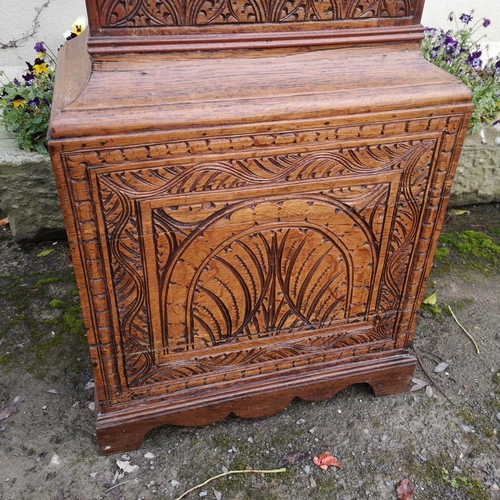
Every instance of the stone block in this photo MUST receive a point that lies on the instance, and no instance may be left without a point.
(478, 174)
(28, 194)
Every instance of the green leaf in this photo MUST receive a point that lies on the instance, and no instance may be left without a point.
(431, 300)
(46, 252)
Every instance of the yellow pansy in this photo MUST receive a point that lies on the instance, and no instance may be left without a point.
(79, 25)
(18, 102)
(40, 67)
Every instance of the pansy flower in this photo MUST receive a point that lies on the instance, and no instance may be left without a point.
(40, 49)
(450, 44)
(79, 25)
(465, 18)
(69, 35)
(486, 23)
(28, 78)
(435, 52)
(18, 101)
(474, 60)
(40, 67)
(77, 29)
(34, 103)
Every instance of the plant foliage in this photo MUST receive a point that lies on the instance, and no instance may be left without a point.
(26, 102)
(459, 52)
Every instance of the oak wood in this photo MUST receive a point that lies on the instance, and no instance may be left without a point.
(249, 226)
(178, 24)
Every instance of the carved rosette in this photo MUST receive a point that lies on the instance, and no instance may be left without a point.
(248, 263)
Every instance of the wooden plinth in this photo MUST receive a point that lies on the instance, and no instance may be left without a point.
(125, 430)
(250, 226)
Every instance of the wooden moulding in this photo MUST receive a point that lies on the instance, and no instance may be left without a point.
(249, 226)
(105, 46)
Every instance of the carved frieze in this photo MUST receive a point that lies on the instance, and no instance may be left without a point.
(149, 13)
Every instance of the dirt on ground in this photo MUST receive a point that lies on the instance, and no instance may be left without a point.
(443, 437)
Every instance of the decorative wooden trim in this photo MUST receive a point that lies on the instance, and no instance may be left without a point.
(187, 41)
(148, 17)
(185, 25)
(330, 136)
(388, 374)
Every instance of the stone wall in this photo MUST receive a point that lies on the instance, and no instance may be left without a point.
(28, 194)
(478, 174)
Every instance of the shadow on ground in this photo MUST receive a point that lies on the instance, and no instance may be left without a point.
(443, 438)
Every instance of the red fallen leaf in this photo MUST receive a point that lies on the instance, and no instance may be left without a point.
(405, 489)
(323, 460)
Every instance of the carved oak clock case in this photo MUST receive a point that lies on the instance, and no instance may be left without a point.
(252, 193)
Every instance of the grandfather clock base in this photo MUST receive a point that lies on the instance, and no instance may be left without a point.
(252, 209)
(125, 430)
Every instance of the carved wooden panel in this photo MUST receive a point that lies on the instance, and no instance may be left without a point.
(255, 264)
(146, 13)
(164, 26)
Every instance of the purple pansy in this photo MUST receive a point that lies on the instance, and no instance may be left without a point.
(435, 52)
(39, 47)
(28, 78)
(465, 18)
(474, 60)
(450, 44)
(34, 103)
(486, 23)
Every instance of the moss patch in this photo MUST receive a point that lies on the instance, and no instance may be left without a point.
(441, 254)
(474, 249)
(46, 281)
(40, 331)
(438, 476)
(57, 304)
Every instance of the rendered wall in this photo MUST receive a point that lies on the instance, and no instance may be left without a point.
(25, 22)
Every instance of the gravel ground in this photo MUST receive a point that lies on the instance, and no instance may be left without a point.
(444, 438)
